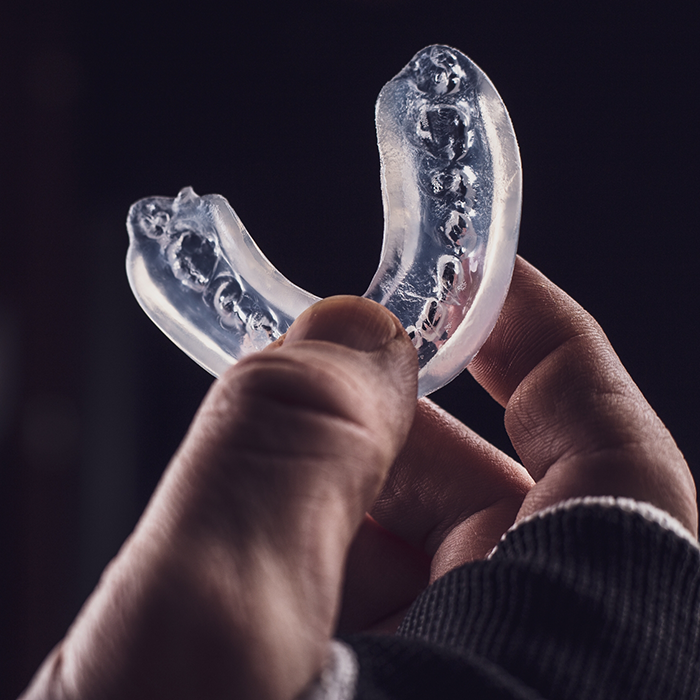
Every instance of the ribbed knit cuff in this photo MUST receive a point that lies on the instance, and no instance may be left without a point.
(646, 510)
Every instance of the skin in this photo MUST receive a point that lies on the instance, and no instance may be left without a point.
(312, 493)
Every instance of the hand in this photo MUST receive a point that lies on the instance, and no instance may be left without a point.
(575, 418)
(231, 583)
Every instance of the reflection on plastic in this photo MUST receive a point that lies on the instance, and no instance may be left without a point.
(451, 185)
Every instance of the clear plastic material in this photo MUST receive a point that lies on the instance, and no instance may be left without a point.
(451, 185)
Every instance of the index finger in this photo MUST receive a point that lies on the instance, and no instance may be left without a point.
(575, 417)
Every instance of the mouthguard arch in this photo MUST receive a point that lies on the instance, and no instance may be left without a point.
(452, 189)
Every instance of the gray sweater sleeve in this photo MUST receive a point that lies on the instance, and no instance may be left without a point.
(594, 599)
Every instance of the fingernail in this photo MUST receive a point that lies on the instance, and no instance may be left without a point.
(355, 322)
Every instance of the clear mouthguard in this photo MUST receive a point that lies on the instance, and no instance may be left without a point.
(451, 185)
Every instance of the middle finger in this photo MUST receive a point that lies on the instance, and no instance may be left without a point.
(446, 478)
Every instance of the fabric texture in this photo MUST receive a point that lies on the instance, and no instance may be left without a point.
(594, 599)
(338, 680)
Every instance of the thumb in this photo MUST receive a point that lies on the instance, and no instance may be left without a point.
(288, 452)
(371, 365)
(320, 414)
(231, 582)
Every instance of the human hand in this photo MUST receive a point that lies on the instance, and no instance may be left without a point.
(575, 418)
(229, 586)
(231, 583)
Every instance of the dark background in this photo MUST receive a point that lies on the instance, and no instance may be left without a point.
(272, 106)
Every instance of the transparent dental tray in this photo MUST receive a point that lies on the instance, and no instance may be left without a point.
(451, 186)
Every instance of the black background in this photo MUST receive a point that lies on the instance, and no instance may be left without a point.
(272, 106)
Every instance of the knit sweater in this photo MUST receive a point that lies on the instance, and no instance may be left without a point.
(595, 599)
